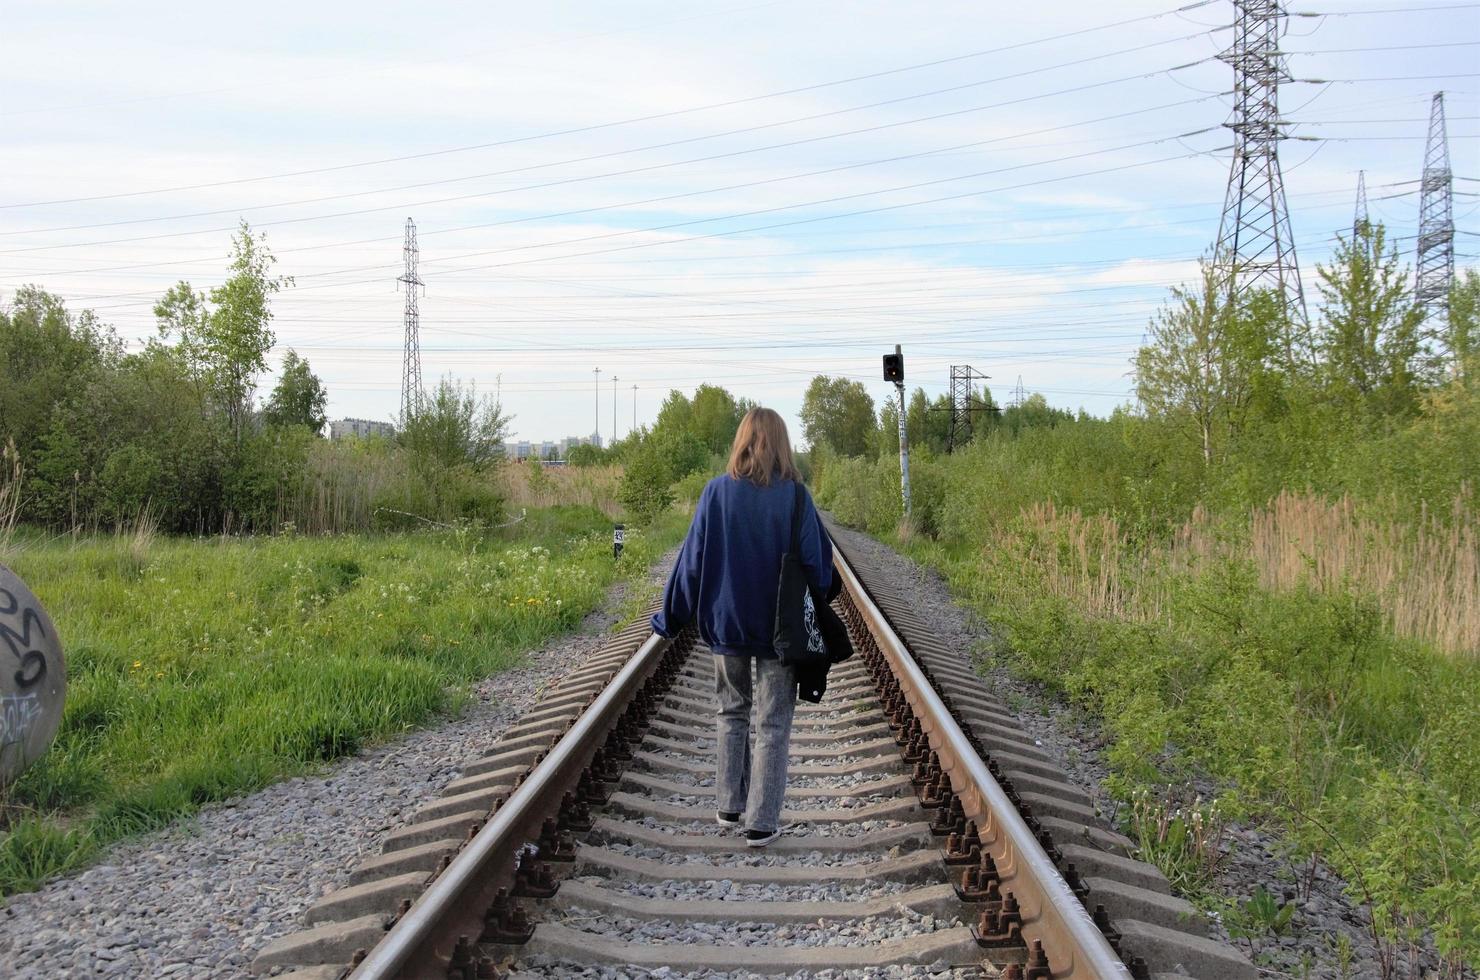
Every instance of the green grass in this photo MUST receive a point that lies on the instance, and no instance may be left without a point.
(204, 669)
(1303, 709)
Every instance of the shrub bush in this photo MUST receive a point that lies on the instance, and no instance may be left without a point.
(645, 488)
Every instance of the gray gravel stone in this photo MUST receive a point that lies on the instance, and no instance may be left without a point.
(572, 970)
(864, 931)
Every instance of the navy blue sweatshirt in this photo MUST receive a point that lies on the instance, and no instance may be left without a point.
(728, 567)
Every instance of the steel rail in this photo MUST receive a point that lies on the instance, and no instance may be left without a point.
(420, 943)
(1051, 912)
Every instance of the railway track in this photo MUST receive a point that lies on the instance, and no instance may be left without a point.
(929, 837)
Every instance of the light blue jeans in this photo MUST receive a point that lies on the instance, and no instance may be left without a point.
(753, 780)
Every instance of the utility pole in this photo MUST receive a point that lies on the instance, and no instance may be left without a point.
(1436, 229)
(1256, 249)
(614, 409)
(634, 408)
(894, 371)
(596, 432)
(411, 356)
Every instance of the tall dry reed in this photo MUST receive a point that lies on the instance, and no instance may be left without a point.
(10, 495)
(591, 486)
(339, 489)
(1085, 558)
(1424, 576)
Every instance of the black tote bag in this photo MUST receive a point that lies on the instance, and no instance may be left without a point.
(798, 638)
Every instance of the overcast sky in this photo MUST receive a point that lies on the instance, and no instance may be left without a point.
(741, 193)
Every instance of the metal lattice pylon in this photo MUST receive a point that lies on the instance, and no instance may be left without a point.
(411, 395)
(1256, 249)
(962, 376)
(1436, 227)
(1360, 222)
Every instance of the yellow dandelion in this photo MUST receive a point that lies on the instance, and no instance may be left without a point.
(138, 664)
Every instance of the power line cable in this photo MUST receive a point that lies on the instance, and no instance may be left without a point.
(651, 117)
(617, 173)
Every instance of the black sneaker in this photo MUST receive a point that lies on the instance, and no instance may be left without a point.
(726, 819)
(760, 838)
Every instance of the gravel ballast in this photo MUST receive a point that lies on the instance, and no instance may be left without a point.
(725, 890)
(573, 971)
(864, 931)
(200, 899)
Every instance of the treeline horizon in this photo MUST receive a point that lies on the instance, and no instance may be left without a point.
(174, 436)
(1236, 402)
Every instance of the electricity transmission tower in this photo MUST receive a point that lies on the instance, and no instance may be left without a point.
(411, 359)
(1255, 247)
(1436, 226)
(1017, 393)
(962, 406)
(1360, 222)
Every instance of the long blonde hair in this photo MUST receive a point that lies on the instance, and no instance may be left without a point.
(762, 450)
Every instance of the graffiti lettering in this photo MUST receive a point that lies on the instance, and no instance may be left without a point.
(21, 641)
(17, 713)
(33, 668)
(33, 662)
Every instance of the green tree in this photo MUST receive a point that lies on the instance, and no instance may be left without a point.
(714, 417)
(183, 314)
(1464, 322)
(1371, 353)
(928, 423)
(646, 487)
(839, 413)
(584, 455)
(133, 435)
(46, 353)
(1199, 369)
(1035, 413)
(455, 427)
(299, 398)
(888, 431)
(683, 452)
(239, 335)
(675, 412)
(224, 342)
(265, 470)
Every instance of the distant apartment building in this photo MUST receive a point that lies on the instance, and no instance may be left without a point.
(360, 429)
(547, 449)
(570, 441)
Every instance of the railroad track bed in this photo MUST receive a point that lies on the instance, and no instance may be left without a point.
(585, 844)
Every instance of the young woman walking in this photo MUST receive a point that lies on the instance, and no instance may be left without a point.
(725, 580)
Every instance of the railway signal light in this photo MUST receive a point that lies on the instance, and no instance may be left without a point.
(894, 373)
(894, 367)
